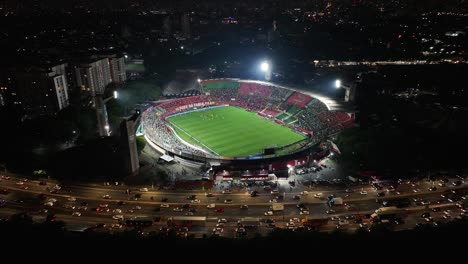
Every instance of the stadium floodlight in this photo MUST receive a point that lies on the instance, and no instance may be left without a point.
(198, 80)
(338, 83)
(116, 94)
(265, 66)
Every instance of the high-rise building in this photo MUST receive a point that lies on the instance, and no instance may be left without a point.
(117, 69)
(93, 76)
(42, 90)
(185, 21)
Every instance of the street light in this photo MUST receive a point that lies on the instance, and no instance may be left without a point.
(116, 94)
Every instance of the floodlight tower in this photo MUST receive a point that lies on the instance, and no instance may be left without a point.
(266, 68)
(350, 89)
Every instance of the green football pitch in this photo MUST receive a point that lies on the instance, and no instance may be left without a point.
(231, 131)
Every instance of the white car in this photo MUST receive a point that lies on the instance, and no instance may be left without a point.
(318, 195)
(363, 193)
(76, 214)
(268, 213)
(49, 204)
(227, 191)
(106, 196)
(273, 201)
(71, 199)
(117, 211)
(52, 200)
(177, 209)
(211, 206)
(118, 217)
(304, 212)
(304, 193)
(222, 220)
(143, 189)
(164, 206)
(195, 201)
(228, 201)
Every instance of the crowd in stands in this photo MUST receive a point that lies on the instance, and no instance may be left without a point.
(305, 113)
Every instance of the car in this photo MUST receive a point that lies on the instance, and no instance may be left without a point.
(137, 207)
(220, 210)
(19, 183)
(457, 183)
(209, 195)
(335, 218)
(101, 225)
(191, 197)
(189, 213)
(349, 191)
(178, 209)
(274, 191)
(49, 204)
(218, 229)
(318, 195)
(331, 211)
(227, 191)
(441, 184)
(76, 214)
(104, 205)
(432, 189)
(222, 220)
(425, 202)
(228, 201)
(254, 194)
(71, 199)
(425, 215)
(416, 190)
(305, 193)
(363, 193)
(296, 197)
(52, 200)
(273, 201)
(304, 212)
(435, 209)
(211, 206)
(244, 206)
(164, 206)
(117, 211)
(268, 213)
(106, 196)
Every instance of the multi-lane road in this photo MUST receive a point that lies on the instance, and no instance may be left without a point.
(76, 204)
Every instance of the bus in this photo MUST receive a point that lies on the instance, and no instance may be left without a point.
(400, 203)
(389, 213)
(139, 222)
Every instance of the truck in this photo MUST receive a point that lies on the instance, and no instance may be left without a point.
(277, 207)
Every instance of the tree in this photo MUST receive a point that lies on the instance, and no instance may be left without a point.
(141, 143)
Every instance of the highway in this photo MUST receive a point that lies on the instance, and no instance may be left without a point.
(31, 197)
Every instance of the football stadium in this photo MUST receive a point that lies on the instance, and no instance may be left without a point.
(230, 121)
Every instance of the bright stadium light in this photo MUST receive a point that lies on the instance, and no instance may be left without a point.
(264, 66)
(199, 80)
(338, 83)
(116, 94)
